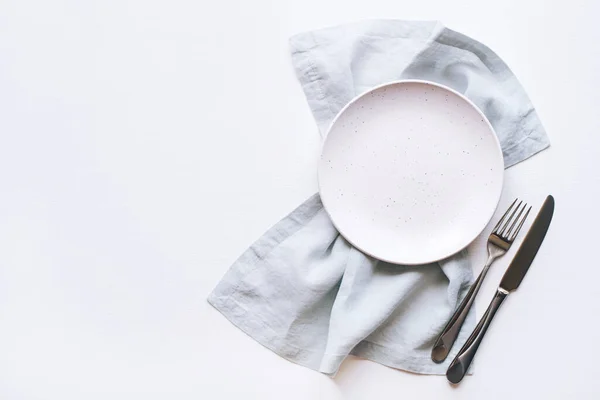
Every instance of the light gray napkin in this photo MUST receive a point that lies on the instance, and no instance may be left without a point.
(302, 290)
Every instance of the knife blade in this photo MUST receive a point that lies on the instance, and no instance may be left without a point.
(533, 240)
(510, 281)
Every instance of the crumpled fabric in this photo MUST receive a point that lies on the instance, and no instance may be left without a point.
(301, 289)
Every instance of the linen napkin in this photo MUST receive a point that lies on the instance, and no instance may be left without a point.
(301, 289)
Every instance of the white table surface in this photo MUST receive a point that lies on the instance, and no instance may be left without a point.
(145, 144)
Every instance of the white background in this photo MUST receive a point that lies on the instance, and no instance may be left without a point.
(145, 144)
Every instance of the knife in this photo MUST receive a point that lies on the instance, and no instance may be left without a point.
(510, 281)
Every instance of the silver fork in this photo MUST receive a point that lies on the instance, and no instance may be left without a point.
(499, 242)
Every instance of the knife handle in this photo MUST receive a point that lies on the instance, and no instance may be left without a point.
(444, 343)
(460, 365)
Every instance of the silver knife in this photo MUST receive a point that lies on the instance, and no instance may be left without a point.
(510, 281)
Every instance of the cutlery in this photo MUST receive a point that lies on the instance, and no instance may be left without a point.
(510, 281)
(499, 242)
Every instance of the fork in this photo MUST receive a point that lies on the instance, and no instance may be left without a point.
(499, 241)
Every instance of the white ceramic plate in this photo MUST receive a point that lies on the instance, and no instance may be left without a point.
(411, 172)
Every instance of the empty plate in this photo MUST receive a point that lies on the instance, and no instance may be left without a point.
(411, 172)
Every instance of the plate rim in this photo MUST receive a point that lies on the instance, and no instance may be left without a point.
(426, 82)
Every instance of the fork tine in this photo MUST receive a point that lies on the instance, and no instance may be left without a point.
(516, 220)
(501, 233)
(514, 235)
(495, 230)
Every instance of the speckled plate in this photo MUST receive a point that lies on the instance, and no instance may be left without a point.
(411, 172)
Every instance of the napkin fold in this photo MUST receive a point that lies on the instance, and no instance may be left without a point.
(301, 289)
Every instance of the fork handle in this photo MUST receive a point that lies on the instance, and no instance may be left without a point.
(460, 365)
(444, 343)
